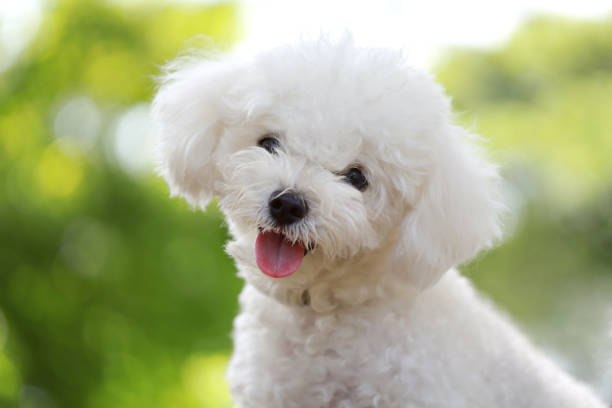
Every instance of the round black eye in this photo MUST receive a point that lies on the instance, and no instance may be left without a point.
(355, 177)
(269, 143)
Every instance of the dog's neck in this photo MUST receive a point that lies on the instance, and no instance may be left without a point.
(366, 278)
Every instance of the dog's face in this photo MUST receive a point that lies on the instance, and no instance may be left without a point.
(332, 163)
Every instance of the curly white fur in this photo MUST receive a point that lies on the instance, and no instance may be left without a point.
(368, 320)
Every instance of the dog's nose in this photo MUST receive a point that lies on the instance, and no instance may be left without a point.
(287, 208)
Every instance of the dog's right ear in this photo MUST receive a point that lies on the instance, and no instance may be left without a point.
(189, 111)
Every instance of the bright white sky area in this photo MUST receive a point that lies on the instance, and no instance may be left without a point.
(423, 28)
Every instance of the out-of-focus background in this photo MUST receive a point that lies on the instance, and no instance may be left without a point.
(114, 295)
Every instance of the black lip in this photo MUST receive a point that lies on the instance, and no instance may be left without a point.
(309, 248)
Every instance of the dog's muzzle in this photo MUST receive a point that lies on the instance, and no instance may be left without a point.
(277, 256)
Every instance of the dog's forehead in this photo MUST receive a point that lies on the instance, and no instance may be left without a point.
(324, 127)
(331, 149)
(320, 130)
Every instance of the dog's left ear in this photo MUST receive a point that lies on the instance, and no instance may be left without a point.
(189, 110)
(457, 214)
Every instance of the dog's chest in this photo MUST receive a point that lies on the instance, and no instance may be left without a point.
(340, 359)
(404, 354)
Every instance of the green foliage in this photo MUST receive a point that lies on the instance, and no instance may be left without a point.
(545, 96)
(543, 102)
(544, 54)
(110, 293)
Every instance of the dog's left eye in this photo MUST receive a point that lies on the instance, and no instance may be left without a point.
(355, 177)
(269, 143)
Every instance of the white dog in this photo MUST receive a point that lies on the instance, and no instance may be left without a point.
(350, 196)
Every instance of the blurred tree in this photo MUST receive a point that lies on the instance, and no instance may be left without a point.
(108, 290)
(543, 103)
(544, 96)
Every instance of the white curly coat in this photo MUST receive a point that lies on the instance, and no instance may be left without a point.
(375, 316)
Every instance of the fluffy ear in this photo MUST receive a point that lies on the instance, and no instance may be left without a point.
(457, 214)
(189, 112)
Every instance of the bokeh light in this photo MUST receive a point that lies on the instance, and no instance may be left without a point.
(19, 22)
(134, 140)
(77, 124)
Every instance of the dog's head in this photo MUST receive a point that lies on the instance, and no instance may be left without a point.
(332, 164)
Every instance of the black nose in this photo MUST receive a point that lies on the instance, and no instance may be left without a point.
(287, 208)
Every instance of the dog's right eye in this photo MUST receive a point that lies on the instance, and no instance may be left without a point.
(269, 143)
(355, 177)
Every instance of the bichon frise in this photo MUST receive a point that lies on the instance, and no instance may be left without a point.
(350, 195)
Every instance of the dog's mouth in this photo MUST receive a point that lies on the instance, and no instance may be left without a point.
(276, 256)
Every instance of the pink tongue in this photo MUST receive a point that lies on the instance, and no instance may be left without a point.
(275, 256)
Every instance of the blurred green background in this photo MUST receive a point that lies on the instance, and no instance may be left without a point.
(114, 295)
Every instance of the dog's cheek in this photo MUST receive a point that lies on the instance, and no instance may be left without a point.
(248, 178)
(343, 224)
